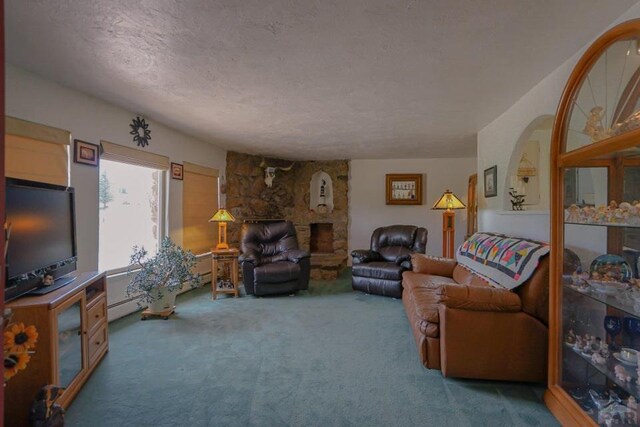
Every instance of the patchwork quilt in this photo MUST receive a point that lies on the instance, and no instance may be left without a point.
(506, 262)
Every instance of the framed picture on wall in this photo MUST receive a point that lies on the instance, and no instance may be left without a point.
(177, 171)
(491, 182)
(85, 153)
(404, 189)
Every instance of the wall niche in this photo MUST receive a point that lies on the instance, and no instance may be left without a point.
(321, 193)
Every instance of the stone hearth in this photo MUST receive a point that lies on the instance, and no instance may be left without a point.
(324, 233)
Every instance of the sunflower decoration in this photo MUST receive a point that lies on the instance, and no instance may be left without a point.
(14, 363)
(140, 131)
(19, 341)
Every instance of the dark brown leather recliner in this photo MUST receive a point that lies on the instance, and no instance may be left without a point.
(379, 270)
(271, 261)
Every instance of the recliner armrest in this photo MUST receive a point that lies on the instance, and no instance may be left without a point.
(251, 257)
(477, 298)
(296, 255)
(365, 255)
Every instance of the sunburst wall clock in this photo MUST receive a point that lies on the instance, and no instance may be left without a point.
(140, 131)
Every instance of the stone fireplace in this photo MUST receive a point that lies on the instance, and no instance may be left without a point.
(322, 232)
(321, 238)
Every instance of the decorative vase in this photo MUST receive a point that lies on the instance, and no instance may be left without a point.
(163, 300)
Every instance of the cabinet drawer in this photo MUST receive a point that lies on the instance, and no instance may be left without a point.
(98, 340)
(96, 314)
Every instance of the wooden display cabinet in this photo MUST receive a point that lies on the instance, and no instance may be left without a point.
(595, 237)
(72, 339)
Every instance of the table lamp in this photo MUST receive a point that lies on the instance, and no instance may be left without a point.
(222, 217)
(448, 202)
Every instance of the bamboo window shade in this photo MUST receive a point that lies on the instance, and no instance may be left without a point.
(131, 156)
(199, 202)
(36, 152)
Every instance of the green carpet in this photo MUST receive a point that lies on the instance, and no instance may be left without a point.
(326, 357)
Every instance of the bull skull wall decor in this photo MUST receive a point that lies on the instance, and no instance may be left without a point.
(270, 172)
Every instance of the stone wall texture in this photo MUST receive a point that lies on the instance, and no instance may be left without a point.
(249, 198)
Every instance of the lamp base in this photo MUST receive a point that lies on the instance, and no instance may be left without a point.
(448, 233)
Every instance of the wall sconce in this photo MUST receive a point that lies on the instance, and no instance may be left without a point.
(526, 170)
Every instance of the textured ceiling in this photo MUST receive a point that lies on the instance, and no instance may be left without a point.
(316, 79)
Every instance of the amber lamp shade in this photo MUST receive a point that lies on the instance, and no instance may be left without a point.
(448, 202)
(222, 217)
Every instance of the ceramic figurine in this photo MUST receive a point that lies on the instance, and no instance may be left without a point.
(571, 337)
(573, 214)
(632, 403)
(597, 358)
(604, 350)
(621, 373)
(594, 127)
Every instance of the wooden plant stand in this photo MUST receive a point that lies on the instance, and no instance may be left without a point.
(164, 313)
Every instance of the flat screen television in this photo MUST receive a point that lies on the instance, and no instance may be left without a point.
(41, 234)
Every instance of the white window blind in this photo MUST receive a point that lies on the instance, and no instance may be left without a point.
(199, 203)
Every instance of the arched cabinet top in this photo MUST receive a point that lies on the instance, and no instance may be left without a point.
(600, 105)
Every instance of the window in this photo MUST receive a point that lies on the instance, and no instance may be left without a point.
(131, 212)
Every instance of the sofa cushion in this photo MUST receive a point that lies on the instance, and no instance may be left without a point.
(378, 270)
(277, 272)
(412, 280)
(432, 265)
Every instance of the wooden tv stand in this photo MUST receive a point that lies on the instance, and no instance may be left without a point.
(72, 339)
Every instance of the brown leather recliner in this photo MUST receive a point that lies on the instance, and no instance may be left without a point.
(379, 269)
(470, 329)
(271, 261)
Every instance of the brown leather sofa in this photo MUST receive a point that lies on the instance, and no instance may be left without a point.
(470, 329)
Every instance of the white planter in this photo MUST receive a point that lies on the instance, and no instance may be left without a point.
(164, 303)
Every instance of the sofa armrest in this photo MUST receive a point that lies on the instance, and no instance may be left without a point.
(365, 255)
(296, 255)
(436, 266)
(477, 298)
(250, 257)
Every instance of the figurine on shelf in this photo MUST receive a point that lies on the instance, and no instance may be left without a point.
(594, 127)
(604, 350)
(571, 337)
(579, 344)
(573, 213)
(517, 200)
(598, 358)
(632, 403)
(622, 374)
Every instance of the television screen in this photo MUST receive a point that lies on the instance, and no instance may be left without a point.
(42, 232)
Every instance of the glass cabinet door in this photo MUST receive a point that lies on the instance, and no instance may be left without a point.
(600, 339)
(70, 343)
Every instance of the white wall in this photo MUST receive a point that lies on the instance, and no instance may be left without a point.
(33, 98)
(367, 208)
(497, 141)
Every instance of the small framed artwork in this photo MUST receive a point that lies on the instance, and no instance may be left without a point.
(177, 171)
(491, 182)
(404, 189)
(85, 153)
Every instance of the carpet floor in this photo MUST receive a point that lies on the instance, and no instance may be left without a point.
(326, 357)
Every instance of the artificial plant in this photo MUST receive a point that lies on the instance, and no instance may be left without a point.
(166, 271)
